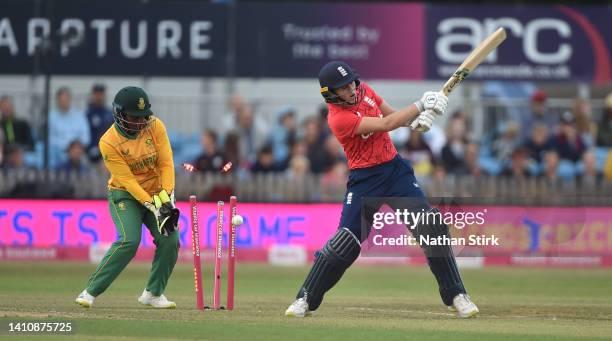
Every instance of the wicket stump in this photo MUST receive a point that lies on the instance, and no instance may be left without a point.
(231, 254)
(195, 248)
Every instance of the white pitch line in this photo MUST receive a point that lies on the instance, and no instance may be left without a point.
(381, 310)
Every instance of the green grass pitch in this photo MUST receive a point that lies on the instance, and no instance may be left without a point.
(371, 302)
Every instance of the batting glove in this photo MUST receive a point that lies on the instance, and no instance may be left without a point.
(430, 103)
(431, 100)
(424, 121)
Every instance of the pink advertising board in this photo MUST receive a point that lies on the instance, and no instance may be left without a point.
(521, 230)
(84, 222)
(503, 230)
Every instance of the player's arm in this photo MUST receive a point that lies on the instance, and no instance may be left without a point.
(391, 119)
(165, 161)
(168, 213)
(431, 104)
(121, 172)
(386, 108)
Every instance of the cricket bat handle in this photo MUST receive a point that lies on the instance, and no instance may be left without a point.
(469, 64)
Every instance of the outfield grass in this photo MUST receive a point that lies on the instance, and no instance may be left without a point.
(370, 302)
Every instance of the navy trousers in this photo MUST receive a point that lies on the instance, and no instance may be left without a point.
(396, 179)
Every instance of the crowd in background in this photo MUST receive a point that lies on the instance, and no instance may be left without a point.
(570, 145)
(73, 134)
(541, 143)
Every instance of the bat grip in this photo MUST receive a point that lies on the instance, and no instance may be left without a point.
(415, 125)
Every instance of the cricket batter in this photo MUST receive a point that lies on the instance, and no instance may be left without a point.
(361, 120)
(137, 152)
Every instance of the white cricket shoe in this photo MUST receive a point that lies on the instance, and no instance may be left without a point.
(299, 308)
(84, 299)
(464, 306)
(160, 301)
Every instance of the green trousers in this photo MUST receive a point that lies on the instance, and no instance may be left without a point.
(128, 215)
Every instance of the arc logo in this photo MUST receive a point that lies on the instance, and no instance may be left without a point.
(342, 71)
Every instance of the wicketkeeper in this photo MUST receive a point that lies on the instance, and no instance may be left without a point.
(136, 150)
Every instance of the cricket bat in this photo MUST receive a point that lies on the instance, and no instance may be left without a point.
(471, 62)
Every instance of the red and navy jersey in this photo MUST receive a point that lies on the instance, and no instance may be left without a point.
(364, 150)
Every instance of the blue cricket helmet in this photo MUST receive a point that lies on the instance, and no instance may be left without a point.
(334, 75)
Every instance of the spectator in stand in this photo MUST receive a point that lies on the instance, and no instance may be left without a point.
(78, 161)
(66, 124)
(231, 153)
(538, 143)
(590, 175)
(604, 128)
(333, 182)
(284, 135)
(581, 110)
(231, 150)
(252, 131)
(518, 164)
(471, 159)
(298, 167)
(568, 143)
(16, 131)
(299, 188)
(418, 153)
(507, 142)
(234, 105)
(334, 150)
(25, 187)
(454, 149)
(323, 112)
(320, 160)
(265, 161)
(297, 149)
(539, 114)
(439, 173)
(435, 137)
(100, 118)
(551, 166)
(608, 167)
(438, 185)
(1, 148)
(211, 159)
(13, 159)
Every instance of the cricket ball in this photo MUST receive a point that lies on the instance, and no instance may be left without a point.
(237, 220)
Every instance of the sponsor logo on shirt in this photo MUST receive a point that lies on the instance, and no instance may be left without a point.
(369, 101)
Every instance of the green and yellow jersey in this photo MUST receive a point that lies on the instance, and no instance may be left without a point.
(140, 165)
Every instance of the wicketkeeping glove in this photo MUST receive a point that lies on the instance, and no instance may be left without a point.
(166, 214)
